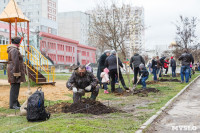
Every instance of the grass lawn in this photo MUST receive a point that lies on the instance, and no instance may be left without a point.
(137, 110)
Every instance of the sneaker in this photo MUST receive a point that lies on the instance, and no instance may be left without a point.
(106, 92)
(182, 82)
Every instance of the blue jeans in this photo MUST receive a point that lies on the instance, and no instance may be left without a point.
(190, 73)
(143, 81)
(105, 86)
(199, 68)
(155, 74)
(185, 71)
(173, 71)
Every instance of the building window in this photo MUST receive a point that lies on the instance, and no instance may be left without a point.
(83, 53)
(54, 4)
(49, 30)
(54, 18)
(83, 62)
(54, 11)
(49, 16)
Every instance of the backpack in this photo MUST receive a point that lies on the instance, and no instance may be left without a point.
(35, 107)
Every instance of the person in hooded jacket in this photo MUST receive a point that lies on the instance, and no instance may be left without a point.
(111, 64)
(101, 65)
(145, 75)
(135, 61)
(15, 69)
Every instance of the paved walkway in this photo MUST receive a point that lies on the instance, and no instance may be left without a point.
(183, 116)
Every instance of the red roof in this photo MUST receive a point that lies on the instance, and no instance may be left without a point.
(58, 37)
(87, 47)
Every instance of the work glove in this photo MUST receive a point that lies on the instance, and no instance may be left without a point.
(88, 88)
(74, 89)
(81, 92)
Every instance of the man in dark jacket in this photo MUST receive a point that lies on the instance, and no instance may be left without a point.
(111, 64)
(154, 67)
(101, 61)
(82, 81)
(15, 69)
(173, 66)
(186, 59)
(162, 61)
(135, 61)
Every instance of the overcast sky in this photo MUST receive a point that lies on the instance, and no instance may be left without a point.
(159, 16)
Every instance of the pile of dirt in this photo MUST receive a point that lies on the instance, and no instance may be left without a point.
(86, 106)
(169, 80)
(144, 92)
(166, 75)
(124, 93)
(57, 108)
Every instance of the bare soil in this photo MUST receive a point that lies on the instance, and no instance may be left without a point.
(169, 80)
(144, 92)
(53, 93)
(86, 106)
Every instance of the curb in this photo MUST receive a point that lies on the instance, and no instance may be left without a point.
(158, 113)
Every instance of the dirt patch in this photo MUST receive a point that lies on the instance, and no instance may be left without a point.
(86, 106)
(53, 93)
(124, 93)
(169, 80)
(166, 75)
(144, 92)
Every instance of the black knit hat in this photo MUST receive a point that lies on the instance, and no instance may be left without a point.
(16, 40)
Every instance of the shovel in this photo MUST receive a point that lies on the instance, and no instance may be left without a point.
(136, 83)
(119, 89)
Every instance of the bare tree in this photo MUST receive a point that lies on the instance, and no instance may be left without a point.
(111, 27)
(185, 32)
(185, 35)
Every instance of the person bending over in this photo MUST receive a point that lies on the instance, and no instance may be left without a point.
(83, 81)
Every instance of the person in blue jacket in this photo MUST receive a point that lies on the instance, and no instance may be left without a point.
(145, 75)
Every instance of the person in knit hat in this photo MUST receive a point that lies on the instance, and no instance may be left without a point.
(101, 64)
(105, 80)
(173, 66)
(145, 75)
(15, 69)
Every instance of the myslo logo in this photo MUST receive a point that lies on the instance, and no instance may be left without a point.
(184, 128)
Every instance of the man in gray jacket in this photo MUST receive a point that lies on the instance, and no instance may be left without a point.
(111, 64)
(135, 61)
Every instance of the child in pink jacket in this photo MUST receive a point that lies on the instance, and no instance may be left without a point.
(105, 80)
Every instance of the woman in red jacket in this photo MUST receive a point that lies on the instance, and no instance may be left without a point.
(166, 66)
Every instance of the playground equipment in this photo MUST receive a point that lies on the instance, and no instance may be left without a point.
(33, 59)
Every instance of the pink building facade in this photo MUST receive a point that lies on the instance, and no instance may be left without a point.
(64, 51)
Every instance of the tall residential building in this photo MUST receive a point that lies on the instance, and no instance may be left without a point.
(137, 37)
(74, 25)
(41, 13)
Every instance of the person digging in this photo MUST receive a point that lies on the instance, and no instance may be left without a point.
(83, 81)
(145, 75)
